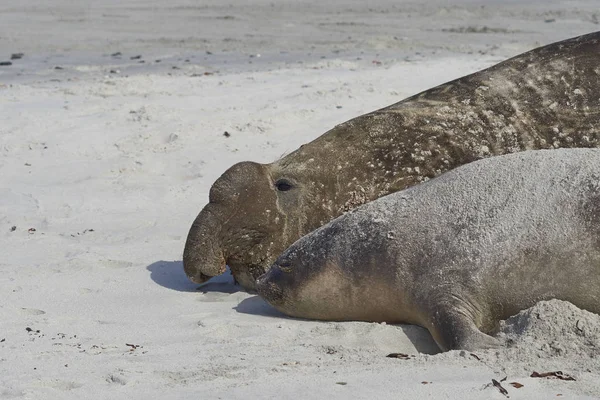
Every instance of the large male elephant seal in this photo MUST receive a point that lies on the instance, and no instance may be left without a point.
(455, 254)
(546, 98)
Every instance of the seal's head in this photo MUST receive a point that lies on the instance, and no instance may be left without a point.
(305, 281)
(285, 284)
(321, 277)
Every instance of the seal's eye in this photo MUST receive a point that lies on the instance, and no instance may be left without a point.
(285, 267)
(283, 185)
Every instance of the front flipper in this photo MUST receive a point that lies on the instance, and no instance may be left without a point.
(453, 330)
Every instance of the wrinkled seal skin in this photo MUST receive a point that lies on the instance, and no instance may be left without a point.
(455, 254)
(542, 99)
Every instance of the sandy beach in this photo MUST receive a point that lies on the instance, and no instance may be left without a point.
(112, 130)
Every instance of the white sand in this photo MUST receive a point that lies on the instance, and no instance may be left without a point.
(132, 156)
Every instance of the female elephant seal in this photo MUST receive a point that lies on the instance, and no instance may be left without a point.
(546, 98)
(455, 254)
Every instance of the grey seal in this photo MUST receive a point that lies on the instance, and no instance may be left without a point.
(455, 254)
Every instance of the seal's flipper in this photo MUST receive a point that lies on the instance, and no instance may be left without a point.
(453, 330)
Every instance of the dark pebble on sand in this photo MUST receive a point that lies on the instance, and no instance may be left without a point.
(136, 57)
(226, 134)
(157, 61)
(175, 67)
(141, 61)
(117, 54)
(58, 67)
(114, 71)
(13, 228)
(5, 63)
(16, 56)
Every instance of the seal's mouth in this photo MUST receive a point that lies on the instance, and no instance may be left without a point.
(269, 290)
(199, 278)
(247, 273)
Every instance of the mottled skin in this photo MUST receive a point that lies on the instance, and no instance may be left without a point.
(455, 254)
(546, 98)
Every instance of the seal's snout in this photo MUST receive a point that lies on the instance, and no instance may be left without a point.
(199, 278)
(267, 288)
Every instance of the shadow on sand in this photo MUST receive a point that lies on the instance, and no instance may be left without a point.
(257, 306)
(170, 274)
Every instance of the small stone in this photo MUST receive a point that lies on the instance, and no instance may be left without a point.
(135, 57)
(226, 134)
(13, 228)
(16, 56)
(117, 54)
(5, 63)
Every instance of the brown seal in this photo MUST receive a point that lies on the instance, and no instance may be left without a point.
(455, 254)
(545, 98)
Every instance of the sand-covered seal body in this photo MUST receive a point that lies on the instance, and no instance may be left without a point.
(455, 254)
(546, 98)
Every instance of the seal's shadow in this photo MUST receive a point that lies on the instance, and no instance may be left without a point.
(420, 338)
(257, 306)
(170, 274)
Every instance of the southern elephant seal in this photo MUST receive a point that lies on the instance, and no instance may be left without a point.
(545, 98)
(457, 253)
